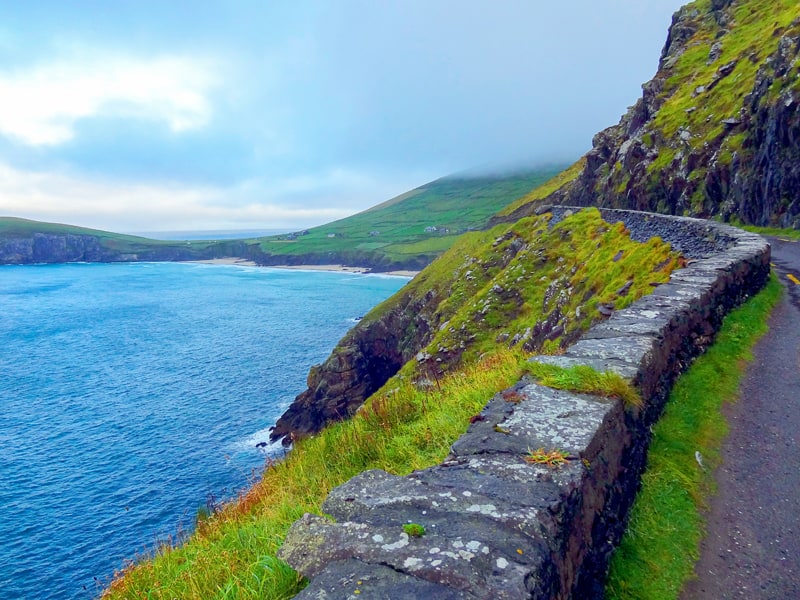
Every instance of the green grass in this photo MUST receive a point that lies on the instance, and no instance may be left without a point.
(749, 37)
(584, 379)
(232, 553)
(414, 529)
(394, 230)
(12, 227)
(403, 426)
(561, 275)
(792, 234)
(552, 458)
(547, 188)
(658, 551)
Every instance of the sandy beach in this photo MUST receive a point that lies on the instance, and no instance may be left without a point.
(344, 269)
(335, 268)
(226, 261)
(401, 273)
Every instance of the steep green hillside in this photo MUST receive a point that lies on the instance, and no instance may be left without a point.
(520, 286)
(393, 234)
(716, 131)
(462, 328)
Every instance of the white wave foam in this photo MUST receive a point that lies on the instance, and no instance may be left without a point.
(259, 442)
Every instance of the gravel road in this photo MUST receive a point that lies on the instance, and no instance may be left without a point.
(752, 548)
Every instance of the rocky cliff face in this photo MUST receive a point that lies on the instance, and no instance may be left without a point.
(38, 247)
(716, 133)
(360, 364)
(47, 248)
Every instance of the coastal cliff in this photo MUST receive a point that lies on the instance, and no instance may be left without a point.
(43, 247)
(535, 285)
(24, 242)
(403, 233)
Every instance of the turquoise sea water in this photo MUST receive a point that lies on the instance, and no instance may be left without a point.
(130, 394)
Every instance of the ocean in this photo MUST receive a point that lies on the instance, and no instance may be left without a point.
(131, 395)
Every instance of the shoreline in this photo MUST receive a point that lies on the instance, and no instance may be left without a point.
(242, 262)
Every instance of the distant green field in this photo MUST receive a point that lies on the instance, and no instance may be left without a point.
(396, 229)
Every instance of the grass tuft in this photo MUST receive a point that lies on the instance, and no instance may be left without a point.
(551, 458)
(584, 379)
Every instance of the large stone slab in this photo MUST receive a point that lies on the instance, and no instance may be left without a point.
(534, 416)
(476, 563)
(354, 579)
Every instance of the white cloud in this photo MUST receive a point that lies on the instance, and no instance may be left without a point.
(127, 206)
(40, 105)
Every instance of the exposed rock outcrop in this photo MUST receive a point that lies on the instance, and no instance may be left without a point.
(716, 132)
(361, 363)
(36, 247)
(52, 248)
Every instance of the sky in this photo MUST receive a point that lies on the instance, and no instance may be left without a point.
(141, 115)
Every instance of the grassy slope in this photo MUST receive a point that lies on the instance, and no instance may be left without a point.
(658, 551)
(543, 191)
(455, 203)
(403, 426)
(557, 275)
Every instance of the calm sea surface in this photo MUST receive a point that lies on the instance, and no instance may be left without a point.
(130, 394)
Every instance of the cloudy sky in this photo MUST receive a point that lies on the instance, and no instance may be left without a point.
(140, 115)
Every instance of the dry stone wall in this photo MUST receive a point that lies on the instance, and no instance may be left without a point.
(499, 527)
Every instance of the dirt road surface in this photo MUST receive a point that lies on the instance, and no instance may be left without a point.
(752, 547)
